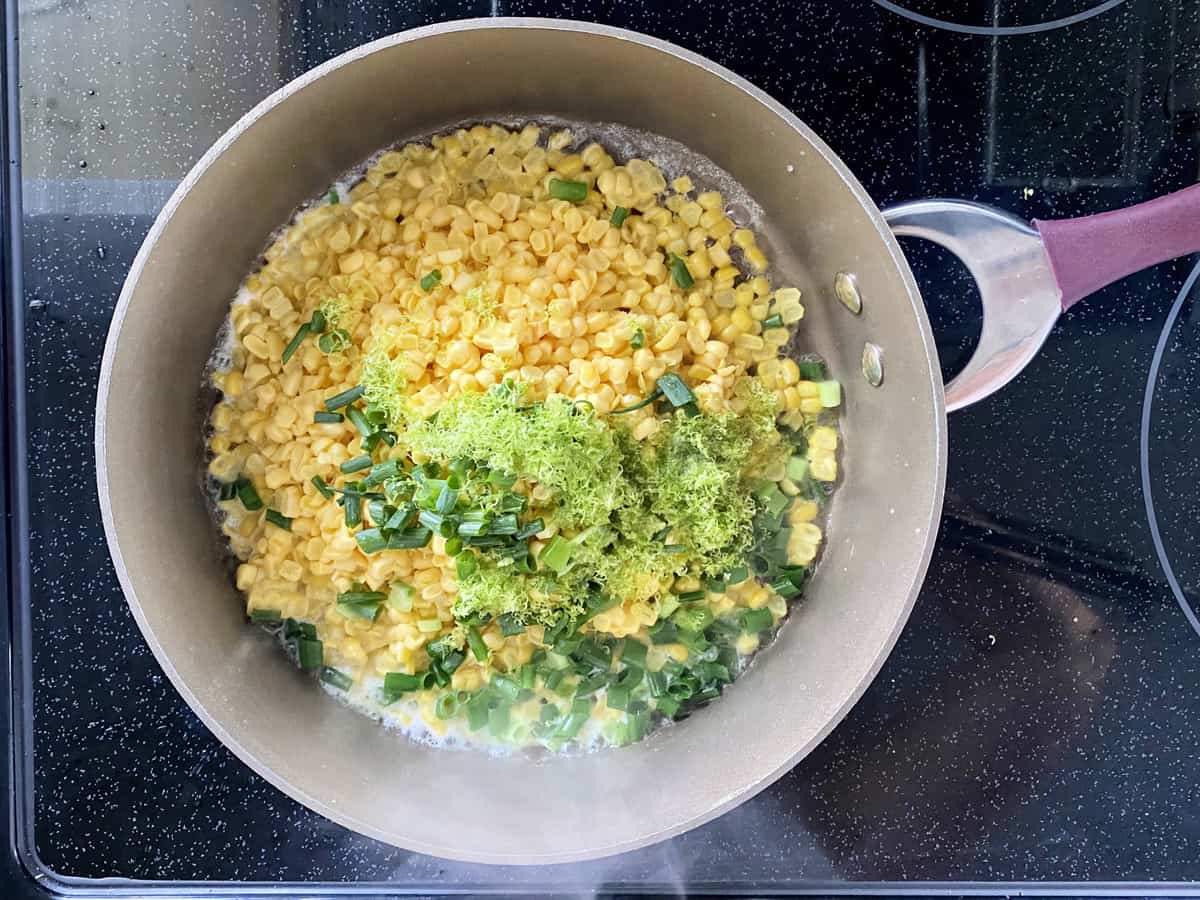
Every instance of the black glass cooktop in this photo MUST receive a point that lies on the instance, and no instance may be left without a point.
(1036, 727)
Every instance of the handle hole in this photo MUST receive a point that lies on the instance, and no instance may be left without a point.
(952, 302)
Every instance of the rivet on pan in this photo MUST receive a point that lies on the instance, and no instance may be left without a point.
(872, 364)
(846, 288)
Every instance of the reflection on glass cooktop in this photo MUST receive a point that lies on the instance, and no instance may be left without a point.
(1037, 721)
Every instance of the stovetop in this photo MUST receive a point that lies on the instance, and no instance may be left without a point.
(1036, 727)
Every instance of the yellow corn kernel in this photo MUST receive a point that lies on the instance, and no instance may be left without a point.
(823, 468)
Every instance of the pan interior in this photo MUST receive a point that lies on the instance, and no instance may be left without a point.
(814, 221)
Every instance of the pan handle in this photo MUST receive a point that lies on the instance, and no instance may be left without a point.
(1092, 251)
(1008, 261)
(1027, 276)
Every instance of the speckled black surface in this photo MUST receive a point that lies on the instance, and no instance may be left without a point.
(1038, 720)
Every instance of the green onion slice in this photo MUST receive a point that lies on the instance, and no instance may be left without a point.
(618, 216)
(310, 653)
(248, 495)
(279, 520)
(573, 191)
(334, 341)
(756, 620)
(265, 616)
(675, 390)
(475, 640)
(357, 464)
(294, 344)
(679, 271)
(360, 604)
(430, 281)
(336, 678)
(345, 398)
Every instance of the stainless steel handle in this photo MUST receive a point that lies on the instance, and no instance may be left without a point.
(1007, 259)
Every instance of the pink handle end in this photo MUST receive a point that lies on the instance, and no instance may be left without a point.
(1093, 251)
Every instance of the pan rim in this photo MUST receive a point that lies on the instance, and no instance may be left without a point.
(163, 219)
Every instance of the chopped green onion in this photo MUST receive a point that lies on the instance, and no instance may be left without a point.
(317, 324)
(454, 546)
(528, 677)
(360, 604)
(226, 490)
(265, 616)
(556, 555)
(691, 596)
(675, 390)
(504, 525)
(382, 472)
(664, 633)
(510, 625)
(410, 539)
(811, 369)
(617, 698)
(446, 706)
(429, 626)
(357, 464)
(775, 321)
(633, 653)
(738, 575)
(310, 653)
(475, 640)
(345, 398)
(618, 216)
(334, 341)
(797, 468)
(447, 498)
(679, 271)
(371, 540)
(333, 197)
(327, 418)
(477, 711)
(335, 678)
(294, 344)
(359, 420)
(573, 191)
(353, 508)
(430, 281)
(785, 588)
(574, 721)
(756, 620)
(400, 596)
(248, 495)
(530, 529)
(668, 706)
(279, 520)
(498, 722)
(505, 687)
(397, 683)
(293, 628)
(830, 393)
(638, 341)
(400, 518)
(589, 686)
(431, 520)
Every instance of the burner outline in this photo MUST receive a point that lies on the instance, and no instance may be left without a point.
(999, 30)
(1144, 448)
